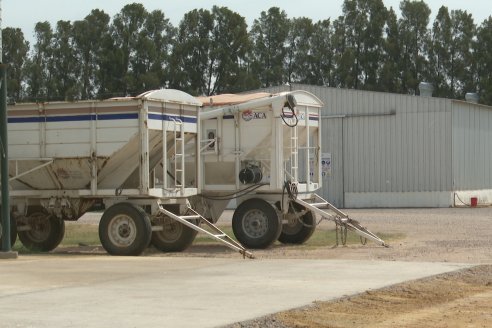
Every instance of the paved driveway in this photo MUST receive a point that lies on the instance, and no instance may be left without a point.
(105, 291)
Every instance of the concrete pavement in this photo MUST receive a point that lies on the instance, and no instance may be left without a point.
(104, 291)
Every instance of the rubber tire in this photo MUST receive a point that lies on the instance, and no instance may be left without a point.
(13, 231)
(299, 233)
(166, 243)
(56, 232)
(273, 223)
(141, 223)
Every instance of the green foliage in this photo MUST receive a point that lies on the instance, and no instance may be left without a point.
(390, 79)
(40, 66)
(414, 37)
(322, 55)
(65, 64)
(212, 51)
(190, 57)
(363, 22)
(89, 36)
(269, 36)
(484, 60)
(15, 49)
(299, 51)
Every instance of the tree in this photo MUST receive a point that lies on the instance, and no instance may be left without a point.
(322, 63)
(363, 22)
(228, 68)
(142, 45)
(89, 35)
(344, 56)
(299, 54)
(39, 68)
(191, 52)
(414, 37)
(127, 27)
(451, 65)
(210, 53)
(483, 57)
(440, 63)
(15, 50)
(463, 64)
(152, 53)
(268, 36)
(65, 67)
(390, 76)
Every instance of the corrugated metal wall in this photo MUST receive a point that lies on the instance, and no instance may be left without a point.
(472, 146)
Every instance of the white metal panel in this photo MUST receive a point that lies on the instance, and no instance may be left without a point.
(129, 123)
(115, 135)
(28, 137)
(67, 136)
(68, 150)
(24, 151)
(67, 125)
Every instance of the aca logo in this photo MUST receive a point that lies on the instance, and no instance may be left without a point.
(249, 115)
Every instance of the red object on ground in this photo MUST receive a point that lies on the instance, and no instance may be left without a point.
(473, 201)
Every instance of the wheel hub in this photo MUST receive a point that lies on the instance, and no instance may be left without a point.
(122, 230)
(171, 230)
(255, 223)
(40, 227)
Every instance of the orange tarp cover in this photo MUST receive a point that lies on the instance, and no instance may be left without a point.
(231, 99)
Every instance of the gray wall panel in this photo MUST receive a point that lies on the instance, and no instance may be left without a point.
(405, 152)
(472, 146)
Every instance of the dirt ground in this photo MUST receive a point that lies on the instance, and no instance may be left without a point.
(457, 299)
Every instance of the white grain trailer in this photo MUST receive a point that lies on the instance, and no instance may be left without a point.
(263, 150)
(128, 153)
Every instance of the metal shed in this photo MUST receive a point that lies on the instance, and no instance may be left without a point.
(392, 150)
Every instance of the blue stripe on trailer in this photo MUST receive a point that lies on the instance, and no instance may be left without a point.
(106, 117)
(72, 118)
(164, 117)
(25, 119)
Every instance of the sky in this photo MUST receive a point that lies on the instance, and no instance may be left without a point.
(25, 14)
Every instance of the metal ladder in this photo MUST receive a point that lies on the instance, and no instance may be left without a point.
(179, 156)
(294, 154)
(217, 234)
(319, 206)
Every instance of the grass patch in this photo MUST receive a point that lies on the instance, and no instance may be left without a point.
(319, 238)
(85, 234)
(88, 234)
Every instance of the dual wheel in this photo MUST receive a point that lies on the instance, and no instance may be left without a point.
(257, 224)
(38, 231)
(126, 229)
